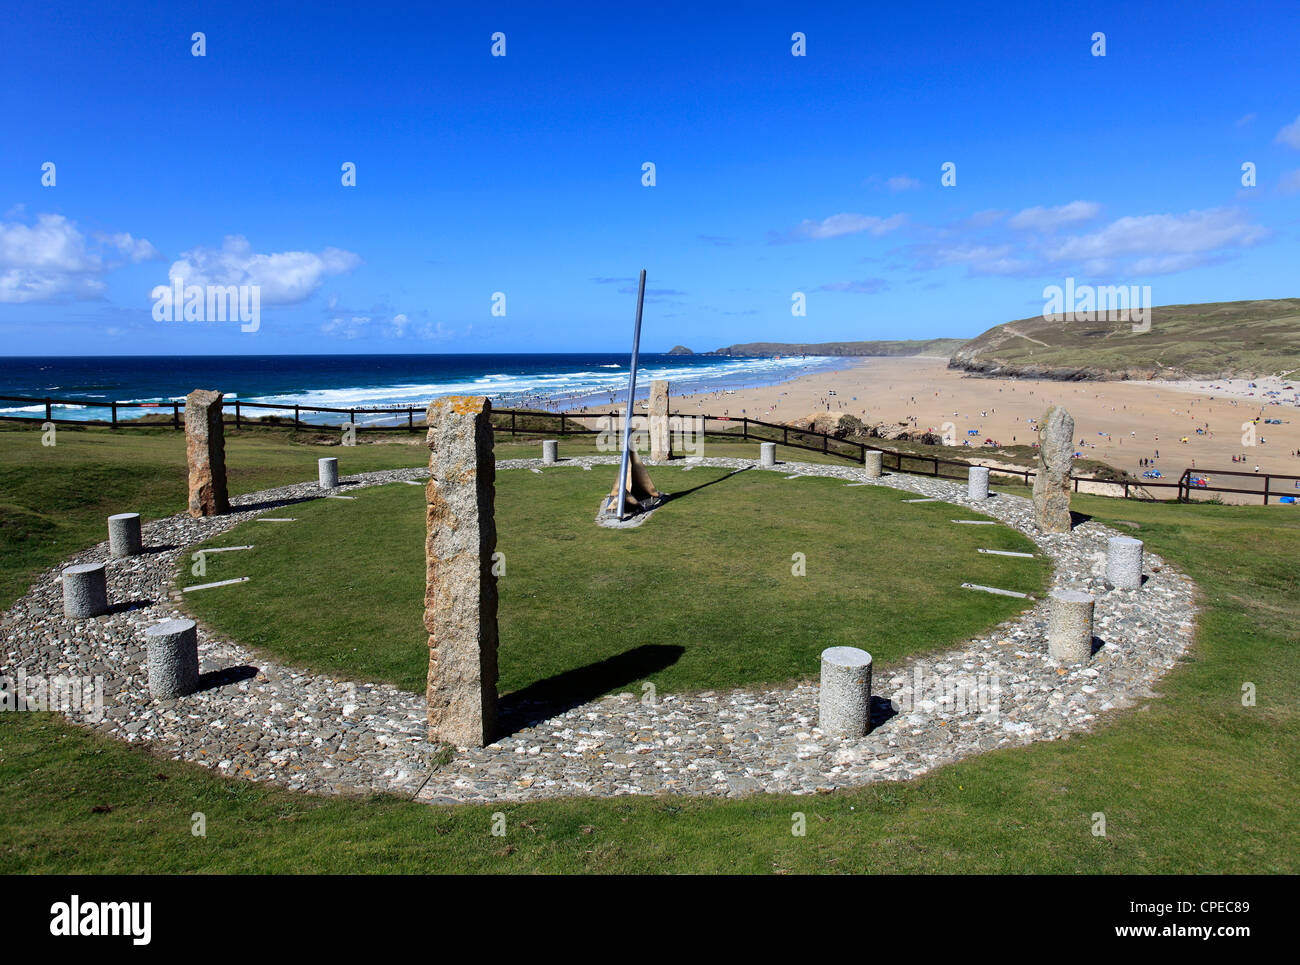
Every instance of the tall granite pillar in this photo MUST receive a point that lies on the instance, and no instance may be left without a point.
(661, 440)
(1055, 461)
(460, 593)
(205, 452)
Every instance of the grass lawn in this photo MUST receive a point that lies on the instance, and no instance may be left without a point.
(1191, 782)
(704, 588)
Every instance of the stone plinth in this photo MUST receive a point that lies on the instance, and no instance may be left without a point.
(1124, 562)
(550, 452)
(1069, 626)
(977, 483)
(327, 470)
(661, 440)
(460, 597)
(205, 452)
(1055, 462)
(124, 534)
(872, 463)
(173, 659)
(767, 455)
(85, 590)
(845, 701)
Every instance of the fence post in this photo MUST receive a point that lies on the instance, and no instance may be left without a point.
(785, 436)
(1267, 480)
(236, 413)
(114, 415)
(561, 423)
(410, 418)
(826, 441)
(512, 423)
(295, 417)
(48, 410)
(176, 415)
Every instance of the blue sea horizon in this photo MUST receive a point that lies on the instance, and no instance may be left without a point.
(556, 381)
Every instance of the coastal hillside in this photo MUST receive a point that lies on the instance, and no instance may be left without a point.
(1211, 340)
(933, 346)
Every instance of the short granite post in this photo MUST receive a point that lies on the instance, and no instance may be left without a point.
(767, 455)
(845, 692)
(460, 594)
(205, 453)
(550, 452)
(872, 464)
(173, 659)
(661, 440)
(1069, 626)
(85, 590)
(327, 470)
(977, 483)
(124, 534)
(1124, 562)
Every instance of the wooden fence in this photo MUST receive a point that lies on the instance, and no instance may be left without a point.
(529, 423)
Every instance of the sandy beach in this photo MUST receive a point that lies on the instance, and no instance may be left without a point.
(1120, 423)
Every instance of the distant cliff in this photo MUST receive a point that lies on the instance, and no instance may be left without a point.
(943, 347)
(680, 350)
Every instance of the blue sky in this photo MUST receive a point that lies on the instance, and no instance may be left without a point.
(522, 174)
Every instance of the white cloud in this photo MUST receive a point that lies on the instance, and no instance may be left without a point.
(51, 260)
(902, 183)
(285, 278)
(868, 286)
(983, 259)
(1290, 134)
(1156, 237)
(838, 225)
(1047, 219)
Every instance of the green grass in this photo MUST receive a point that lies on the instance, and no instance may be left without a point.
(1211, 339)
(342, 588)
(1191, 782)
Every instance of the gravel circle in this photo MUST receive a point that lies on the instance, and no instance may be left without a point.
(260, 720)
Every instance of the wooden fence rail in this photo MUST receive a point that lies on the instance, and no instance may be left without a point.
(528, 422)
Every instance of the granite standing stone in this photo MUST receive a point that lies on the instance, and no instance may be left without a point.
(977, 483)
(460, 597)
(173, 658)
(327, 471)
(1055, 461)
(1124, 562)
(1069, 626)
(767, 455)
(872, 464)
(550, 452)
(85, 590)
(845, 699)
(124, 534)
(205, 452)
(661, 440)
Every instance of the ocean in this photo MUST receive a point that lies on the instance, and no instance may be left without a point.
(553, 381)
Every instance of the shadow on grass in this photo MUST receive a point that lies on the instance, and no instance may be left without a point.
(553, 696)
(669, 497)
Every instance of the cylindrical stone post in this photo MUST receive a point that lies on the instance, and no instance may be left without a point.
(871, 464)
(1069, 626)
(173, 648)
(1124, 562)
(845, 692)
(550, 452)
(328, 470)
(124, 534)
(767, 455)
(85, 590)
(977, 483)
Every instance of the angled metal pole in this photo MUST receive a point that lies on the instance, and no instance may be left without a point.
(631, 394)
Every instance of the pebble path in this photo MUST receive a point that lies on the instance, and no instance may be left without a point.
(256, 719)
